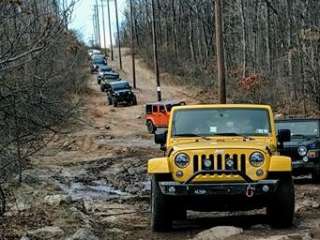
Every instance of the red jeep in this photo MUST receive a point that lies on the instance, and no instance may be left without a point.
(158, 113)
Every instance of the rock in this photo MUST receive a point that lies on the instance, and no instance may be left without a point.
(88, 205)
(80, 216)
(315, 233)
(138, 117)
(310, 203)
(132, 189)
(260, 227)
(46, 233)
(24, 238)
(58, 199)
(115, 230)
(295, 236)
(218, 233)
(131, 171)
(83, 234)
(107, 127)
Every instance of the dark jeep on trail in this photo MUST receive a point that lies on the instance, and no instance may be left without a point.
(107, 78)
(96, 63)
(102, 71)
(304, 147)
(120, 92)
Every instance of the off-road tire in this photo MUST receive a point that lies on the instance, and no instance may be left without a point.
(281, 208)
(179, 212)
(109, 101)
(151, 127)
(115, 102)
(316, 175)
(102, 88)
(99, 81)
(134, 101)
(2, 202)
(161, 219)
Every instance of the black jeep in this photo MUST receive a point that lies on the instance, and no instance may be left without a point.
(120, 92)
(102, 71)
(107, 78)
(304, 147)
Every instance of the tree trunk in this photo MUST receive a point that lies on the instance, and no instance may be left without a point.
(220, 52)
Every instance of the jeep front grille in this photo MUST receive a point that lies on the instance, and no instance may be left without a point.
(219, 163)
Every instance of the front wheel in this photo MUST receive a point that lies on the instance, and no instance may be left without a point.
(115, 102)
(316, 175)
(161, 219)
(151, 127)
(109, 100)
(2, 202)
(134, 101)
(281, 209)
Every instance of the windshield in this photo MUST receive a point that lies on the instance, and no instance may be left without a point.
(111, 76)
(120, 86)
(300, 128)
(98, 61)
(221, 122)
(104, 70)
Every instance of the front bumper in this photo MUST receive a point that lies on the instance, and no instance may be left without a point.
(300, 166)
(263, 187)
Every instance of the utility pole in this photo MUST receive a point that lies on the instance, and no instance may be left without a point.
(98, 22)
(94, 28)
(104, 28)
(110, 31)
(220, 52)
(133, 47)
(118, 33)
(155, 51)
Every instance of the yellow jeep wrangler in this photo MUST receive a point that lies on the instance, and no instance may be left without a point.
(221, 158)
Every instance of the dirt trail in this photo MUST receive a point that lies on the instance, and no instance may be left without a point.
(94, 177)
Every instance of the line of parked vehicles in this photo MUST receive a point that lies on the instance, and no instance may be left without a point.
(222, 157)
(118, 91)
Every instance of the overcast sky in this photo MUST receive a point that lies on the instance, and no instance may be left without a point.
(82, 18)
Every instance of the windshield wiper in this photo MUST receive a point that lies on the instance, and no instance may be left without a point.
(191, 135)
(245, 137)
(297, 135)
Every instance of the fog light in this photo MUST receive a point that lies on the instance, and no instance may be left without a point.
(259, 172)
(305, 159)
(172, 189)
(179, 174)
(265, 188)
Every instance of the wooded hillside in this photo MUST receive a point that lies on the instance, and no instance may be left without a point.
(272, 47)
(41, 68)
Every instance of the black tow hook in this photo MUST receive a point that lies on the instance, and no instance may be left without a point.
(250, 191)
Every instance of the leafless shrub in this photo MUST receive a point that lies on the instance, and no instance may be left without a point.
(41, 68)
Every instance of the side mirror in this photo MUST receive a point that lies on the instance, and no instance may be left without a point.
(161, 138)
(284, 135)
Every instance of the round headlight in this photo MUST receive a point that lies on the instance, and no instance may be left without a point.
(256, 159)
(182, 160)
(302, 151)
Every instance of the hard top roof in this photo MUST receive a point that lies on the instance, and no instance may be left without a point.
(297, 119)
(168, 102)
(111, 73)
(119, 82)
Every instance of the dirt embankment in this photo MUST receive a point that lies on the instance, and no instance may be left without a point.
(91, 182)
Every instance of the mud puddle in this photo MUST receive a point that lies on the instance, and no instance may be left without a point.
(96, 190)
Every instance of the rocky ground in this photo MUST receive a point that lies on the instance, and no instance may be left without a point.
(91, 182)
